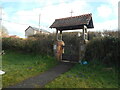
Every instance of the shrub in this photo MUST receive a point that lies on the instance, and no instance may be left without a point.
(12, 43)
(104, 50)
(105, 33)
(40, 44)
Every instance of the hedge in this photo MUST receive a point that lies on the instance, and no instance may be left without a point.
(41, 45)
(103, 49)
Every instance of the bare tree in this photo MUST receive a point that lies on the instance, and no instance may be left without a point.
(3, 31)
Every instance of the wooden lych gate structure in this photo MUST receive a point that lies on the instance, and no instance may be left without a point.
(61, 49)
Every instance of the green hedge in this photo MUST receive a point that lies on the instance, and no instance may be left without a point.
(12, 43)
(41, 45)
(105, 50)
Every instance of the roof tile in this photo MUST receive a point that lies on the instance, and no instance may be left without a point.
(73, 21)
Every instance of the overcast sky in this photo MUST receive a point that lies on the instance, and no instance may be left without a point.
(17, 15)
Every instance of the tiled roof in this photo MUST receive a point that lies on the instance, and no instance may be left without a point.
(73, 22)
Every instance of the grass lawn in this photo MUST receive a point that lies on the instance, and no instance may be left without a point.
(20, 66)
(86, 76)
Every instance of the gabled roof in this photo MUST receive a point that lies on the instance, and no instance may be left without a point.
(76, 22)
(37, 29)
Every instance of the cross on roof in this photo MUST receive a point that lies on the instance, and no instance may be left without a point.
(71, 12)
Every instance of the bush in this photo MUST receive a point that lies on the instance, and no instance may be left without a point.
(102, 49)
(105, 33)
(105, 50)
(12, 43)
(40, 44)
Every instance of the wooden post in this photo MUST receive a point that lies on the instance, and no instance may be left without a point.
(56, 35)
(61, 35)
(82, 45)
(85, 34)
(79, 47)
(55, 44)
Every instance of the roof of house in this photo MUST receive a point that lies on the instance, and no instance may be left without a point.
(37, 29)
(76, 22)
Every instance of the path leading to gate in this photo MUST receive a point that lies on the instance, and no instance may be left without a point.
(44, 78)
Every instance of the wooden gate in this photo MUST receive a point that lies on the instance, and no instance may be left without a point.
(71, 52)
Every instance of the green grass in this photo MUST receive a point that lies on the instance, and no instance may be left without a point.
(86, 76)
(20, 66)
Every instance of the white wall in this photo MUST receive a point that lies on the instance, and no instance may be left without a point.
(29, 32)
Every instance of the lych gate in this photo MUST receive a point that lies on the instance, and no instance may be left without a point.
(71, 23)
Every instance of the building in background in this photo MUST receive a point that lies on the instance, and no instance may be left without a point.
(32, 31)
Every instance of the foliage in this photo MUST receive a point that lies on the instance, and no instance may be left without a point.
(19, 66)
(104, 50)
(105, 33)
(99, 49)
(12, 43)
(41, 45)
(3, 31)
(70, 38)
(86, 76)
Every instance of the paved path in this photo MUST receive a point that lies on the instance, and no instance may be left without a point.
(44, 78)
